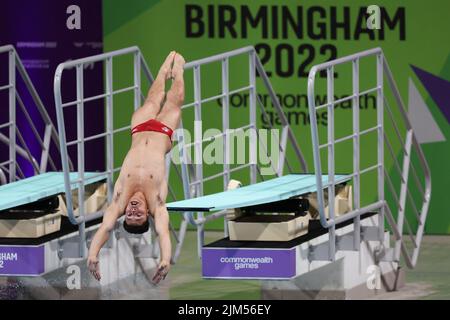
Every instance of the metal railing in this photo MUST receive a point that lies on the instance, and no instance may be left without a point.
(193, 175)
(139, 68)
(19, 145)
(408, 144)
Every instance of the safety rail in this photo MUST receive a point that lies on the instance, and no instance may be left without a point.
(191, 174)
(15, 140)
(193, 177)
(408, 144)
(139, 68)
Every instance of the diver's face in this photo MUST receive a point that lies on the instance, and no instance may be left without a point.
(136, 212)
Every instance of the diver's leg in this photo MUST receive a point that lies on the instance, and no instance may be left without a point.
(156, 94)
(171, 111)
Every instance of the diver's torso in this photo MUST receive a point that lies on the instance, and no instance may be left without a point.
(144, 167)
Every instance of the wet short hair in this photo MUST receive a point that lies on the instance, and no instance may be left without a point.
(139, 229)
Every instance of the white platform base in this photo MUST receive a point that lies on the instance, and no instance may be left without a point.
(354, 274)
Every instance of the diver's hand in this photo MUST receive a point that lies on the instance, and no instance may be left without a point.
(161, 272)
(94, 267)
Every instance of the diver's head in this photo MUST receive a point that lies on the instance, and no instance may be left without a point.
(136, 214)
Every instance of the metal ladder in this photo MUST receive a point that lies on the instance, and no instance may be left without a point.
(18, 143)
(192, 174)
(408, 147)
(139, 69)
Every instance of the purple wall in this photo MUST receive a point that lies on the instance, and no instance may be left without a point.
(38, 31)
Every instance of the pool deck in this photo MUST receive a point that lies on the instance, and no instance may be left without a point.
(429, 280)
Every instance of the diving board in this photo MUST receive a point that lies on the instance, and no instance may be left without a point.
(276, 189)
(40, 186)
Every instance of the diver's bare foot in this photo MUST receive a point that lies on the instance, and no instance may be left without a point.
(178, 65)
(166, 67)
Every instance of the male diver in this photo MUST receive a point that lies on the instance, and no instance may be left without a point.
(141, 188)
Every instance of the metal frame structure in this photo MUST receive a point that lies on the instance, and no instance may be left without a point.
(139, 67)
(15, 140)
(188, 171)
(408, 144)
(192, 175)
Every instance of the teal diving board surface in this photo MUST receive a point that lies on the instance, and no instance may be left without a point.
(272, 190)
(39, 187)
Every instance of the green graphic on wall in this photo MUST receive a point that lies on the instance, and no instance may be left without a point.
(291, 37)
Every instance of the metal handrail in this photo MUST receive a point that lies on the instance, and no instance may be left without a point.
(78, 64)
(257, 67)
(412, 261)
(37, 100)
(281, 115)
(397, 227)
(140, 65)
(22, 152)
(94, 58)
(15, 64)
(107, 58)
(60, 117)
